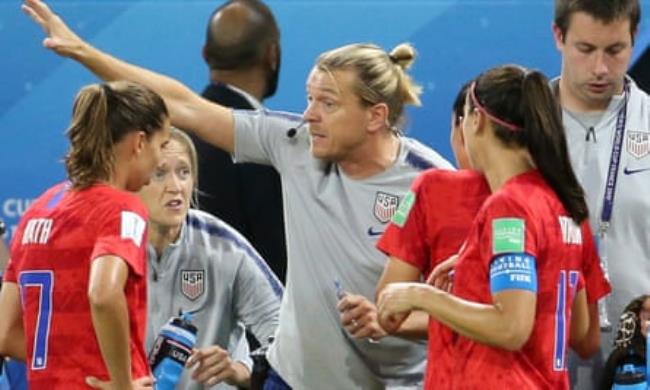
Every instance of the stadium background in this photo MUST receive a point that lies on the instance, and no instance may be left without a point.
(455, 40)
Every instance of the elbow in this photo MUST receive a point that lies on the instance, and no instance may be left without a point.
(585, 351)
(515, 337)
(103, 297)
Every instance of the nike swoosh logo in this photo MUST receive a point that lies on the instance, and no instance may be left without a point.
(372, 232)
(629, 171)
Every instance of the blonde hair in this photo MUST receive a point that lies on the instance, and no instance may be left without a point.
(102, 115)
(382, 76)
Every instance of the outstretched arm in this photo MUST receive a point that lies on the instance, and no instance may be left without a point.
(397, 270)
(188, 110)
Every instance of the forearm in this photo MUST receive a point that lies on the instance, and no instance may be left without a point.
(188, 111)
(586, 346)
(110, 320)
(14, 346)
(416, 326)
(485, 323)
(12, 334)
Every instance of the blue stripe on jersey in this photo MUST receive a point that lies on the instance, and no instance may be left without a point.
(418, 162)
(56, 198)
(231, 236)
(513, 271)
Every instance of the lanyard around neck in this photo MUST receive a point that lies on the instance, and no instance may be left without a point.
(614, 162)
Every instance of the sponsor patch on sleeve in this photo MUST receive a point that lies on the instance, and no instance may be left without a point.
(515, 271)
(404, 209)
(132, 227)
(508, 235)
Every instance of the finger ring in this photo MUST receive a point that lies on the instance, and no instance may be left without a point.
(355, 323)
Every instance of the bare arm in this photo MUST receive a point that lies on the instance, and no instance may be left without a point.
(188, 110)
(108, 275)
(397, 270)
(12, 334)
(585, 326)
(507, 323)
(4, 255)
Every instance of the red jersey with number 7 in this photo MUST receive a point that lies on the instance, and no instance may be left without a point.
(52, 251)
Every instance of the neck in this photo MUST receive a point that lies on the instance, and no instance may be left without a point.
(119, 178)
(505, 164)
(571, 101)
(251, 81)
(161, 236)
(374, 156)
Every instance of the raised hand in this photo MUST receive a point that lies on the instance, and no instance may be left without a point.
(59, 37)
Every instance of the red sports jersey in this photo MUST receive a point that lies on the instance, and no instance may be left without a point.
(443, 206)
(58, 237)
(525, 215)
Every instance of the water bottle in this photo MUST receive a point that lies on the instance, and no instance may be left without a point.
(170, 351)
(630, 377)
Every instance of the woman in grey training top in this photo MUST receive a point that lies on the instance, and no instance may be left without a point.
(198, 263)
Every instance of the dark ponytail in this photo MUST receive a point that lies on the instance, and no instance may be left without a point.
(524, 102)
(547, 143)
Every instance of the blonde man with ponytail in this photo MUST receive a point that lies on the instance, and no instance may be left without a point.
(345, 168)
(74, 292)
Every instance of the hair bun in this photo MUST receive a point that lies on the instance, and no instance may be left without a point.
(403, 55)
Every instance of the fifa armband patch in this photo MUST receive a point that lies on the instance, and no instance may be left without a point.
(514, 271)
(404, 209)
(508, 235)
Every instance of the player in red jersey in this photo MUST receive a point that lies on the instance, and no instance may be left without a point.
(429, 228)
(74, 292)
(518, 279)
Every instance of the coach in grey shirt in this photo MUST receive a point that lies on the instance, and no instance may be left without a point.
(199, 264)
(344, 172)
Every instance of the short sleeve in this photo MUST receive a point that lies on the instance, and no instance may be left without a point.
(507, 228)
(405, 236)
(262, 136)
(257, 295)
(123, 233)
(596, 284)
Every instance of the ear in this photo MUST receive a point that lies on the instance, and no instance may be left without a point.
(138, 142)
(478, 122)
(273, 55)
(377, 116)
(558, 37)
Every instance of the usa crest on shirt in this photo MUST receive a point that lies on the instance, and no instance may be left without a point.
(638, 143)
(385, 206)
(192, 283)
